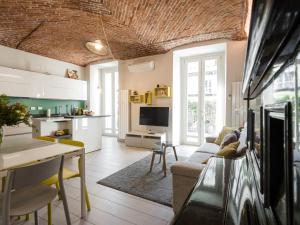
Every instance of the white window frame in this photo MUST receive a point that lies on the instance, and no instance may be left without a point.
(114, 123)
(221, 98)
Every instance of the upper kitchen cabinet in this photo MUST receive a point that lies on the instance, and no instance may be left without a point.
(64, 88)
(20, 83)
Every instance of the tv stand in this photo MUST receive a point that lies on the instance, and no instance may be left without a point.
(144, 139)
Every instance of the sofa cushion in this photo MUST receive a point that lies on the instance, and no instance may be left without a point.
(211, 148)
(199, 157)
(243, 143)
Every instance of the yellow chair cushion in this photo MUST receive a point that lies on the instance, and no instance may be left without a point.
(72, 142)
(227, 151)
(67, 174)
(45, 138)
(222, 134)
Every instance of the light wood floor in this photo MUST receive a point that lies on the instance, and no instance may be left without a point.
(109, 206)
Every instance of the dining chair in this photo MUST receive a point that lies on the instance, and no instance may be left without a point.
(24, 192)
(43, 138)
(68, 173)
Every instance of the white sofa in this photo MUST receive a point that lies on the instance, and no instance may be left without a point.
(186, 173)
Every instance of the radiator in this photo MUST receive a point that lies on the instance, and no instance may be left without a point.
(124, 114)
(239, 106)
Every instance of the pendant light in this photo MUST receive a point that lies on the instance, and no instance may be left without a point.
(97, 46)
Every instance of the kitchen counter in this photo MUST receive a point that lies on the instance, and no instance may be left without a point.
(87, 129)
(85, 116)
(66, 118)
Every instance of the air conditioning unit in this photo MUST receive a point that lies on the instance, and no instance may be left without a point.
(141, 67)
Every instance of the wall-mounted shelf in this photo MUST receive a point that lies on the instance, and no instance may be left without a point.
(148, 98)
(162, 92)
(136, 98)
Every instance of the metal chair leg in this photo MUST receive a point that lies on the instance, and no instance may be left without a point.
(175, 153)
(36, 218)
(57, 188)
(164, 162)
(65, 203)
(49, 214)
(3, 184)
(152, 161)
(87, 199)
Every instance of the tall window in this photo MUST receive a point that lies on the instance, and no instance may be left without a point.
(202, 79)
(110, 96)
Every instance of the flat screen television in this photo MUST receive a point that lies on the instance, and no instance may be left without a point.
(154, 116)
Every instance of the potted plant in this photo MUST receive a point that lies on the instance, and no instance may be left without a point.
(12, 114)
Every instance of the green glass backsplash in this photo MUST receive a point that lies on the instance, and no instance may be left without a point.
(52, 104)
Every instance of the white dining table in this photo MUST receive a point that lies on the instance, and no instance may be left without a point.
(18, 151)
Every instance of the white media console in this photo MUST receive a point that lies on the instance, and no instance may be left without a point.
(144, 139)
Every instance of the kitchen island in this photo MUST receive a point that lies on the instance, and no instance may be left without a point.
(87, 129)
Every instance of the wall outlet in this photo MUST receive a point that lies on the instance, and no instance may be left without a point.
(32, 108)
(40, 108)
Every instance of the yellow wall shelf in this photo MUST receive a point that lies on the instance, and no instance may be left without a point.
(162, 92)
(136, 98)
(148, 98)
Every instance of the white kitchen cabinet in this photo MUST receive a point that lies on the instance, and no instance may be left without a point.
(25, 84)
(64, 88)
(20, 83)
(89, 131)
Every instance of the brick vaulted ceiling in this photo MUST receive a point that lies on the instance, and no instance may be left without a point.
(59, 29)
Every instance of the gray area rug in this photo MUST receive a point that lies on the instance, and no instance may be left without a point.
(137, 180)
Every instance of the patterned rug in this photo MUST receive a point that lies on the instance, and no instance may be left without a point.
(137, 180)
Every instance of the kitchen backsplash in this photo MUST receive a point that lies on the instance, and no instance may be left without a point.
(40, 106)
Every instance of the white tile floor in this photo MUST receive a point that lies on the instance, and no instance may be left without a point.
(109, 206)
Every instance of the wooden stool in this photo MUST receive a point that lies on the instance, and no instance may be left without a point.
(161, 149)
(170, 145)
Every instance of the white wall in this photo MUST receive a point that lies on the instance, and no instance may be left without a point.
(163, 74)
(147, 81)
(17, 59)
(235, 57)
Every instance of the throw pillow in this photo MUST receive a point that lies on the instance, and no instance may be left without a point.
(205, 161)
(229, 150)
(224, 131)
(228, 139)
(241, 150)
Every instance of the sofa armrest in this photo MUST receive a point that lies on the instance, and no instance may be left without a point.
(185, 175)
(210, 139)
(187, 169)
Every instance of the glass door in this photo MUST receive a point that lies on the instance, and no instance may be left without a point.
(201, 87)
(110, 92)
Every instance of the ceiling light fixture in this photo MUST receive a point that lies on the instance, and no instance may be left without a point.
(97, 47)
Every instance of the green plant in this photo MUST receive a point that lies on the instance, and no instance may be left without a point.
(13, 114)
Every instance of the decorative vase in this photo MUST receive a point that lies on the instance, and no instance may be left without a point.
(1, 135)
